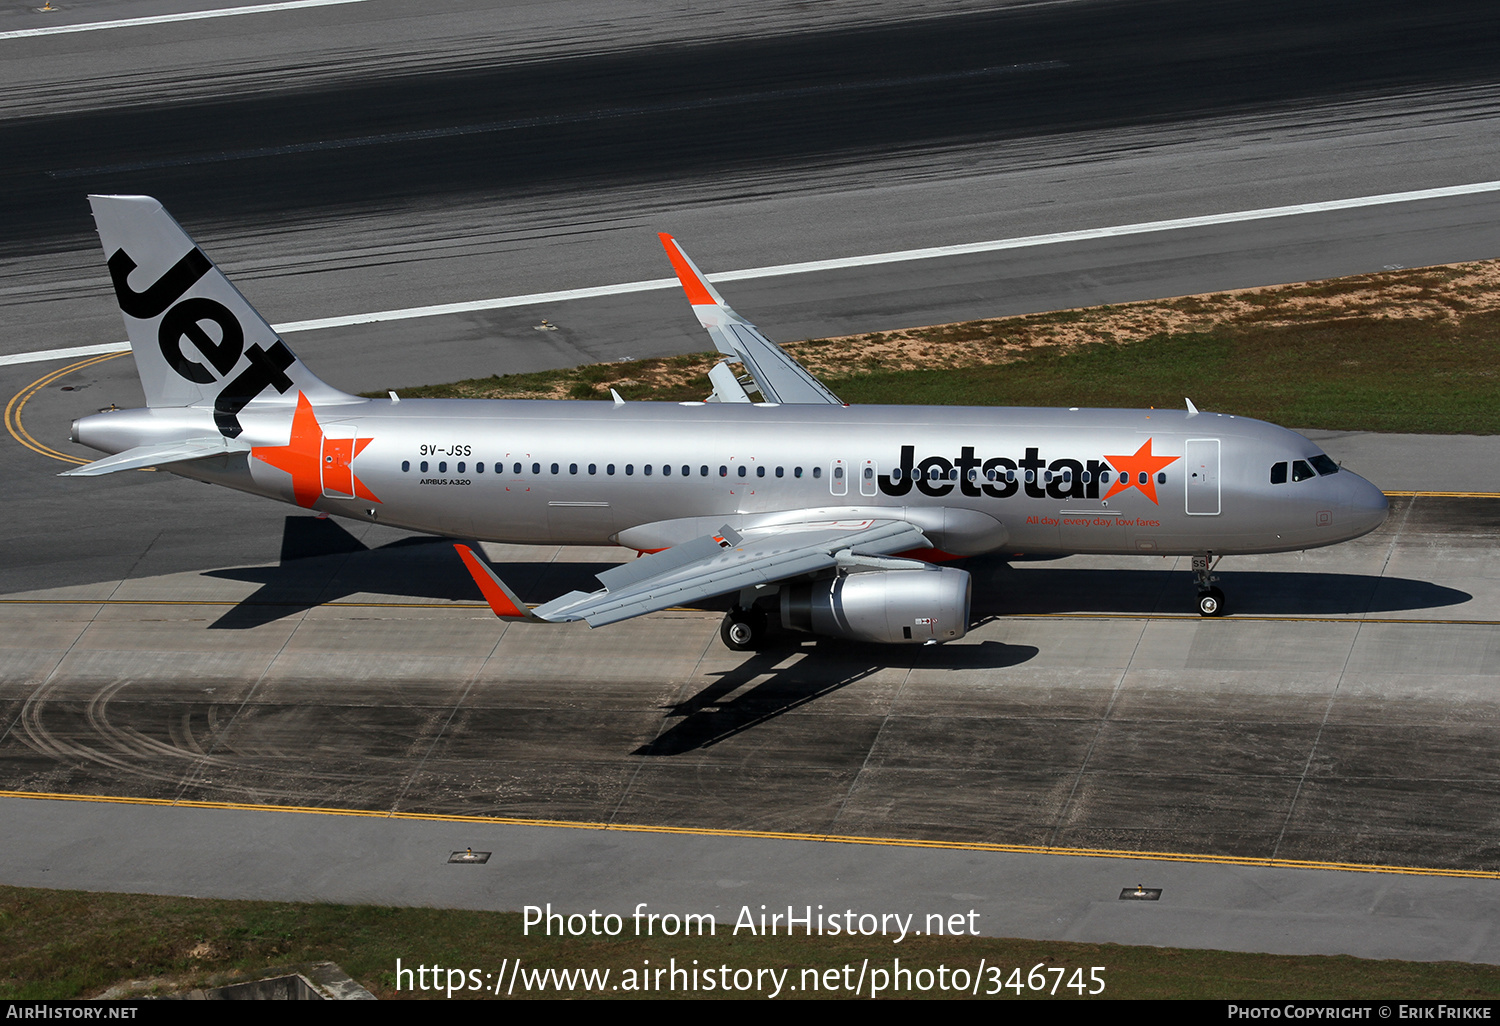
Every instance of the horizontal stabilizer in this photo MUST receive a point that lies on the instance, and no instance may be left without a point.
(159, 455)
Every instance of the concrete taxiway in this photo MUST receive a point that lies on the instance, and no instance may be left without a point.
(1344, 714)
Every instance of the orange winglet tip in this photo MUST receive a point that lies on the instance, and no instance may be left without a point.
(501, 599)
(698, 292)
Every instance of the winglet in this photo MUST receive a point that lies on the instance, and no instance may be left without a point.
(699, 291)
(501, 599)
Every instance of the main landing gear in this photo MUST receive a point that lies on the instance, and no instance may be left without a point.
(744, 630)
(1210, 598)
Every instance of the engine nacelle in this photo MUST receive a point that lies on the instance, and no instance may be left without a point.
(883, 606)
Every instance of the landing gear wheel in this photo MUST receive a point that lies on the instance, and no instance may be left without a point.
(743, 631)
(1211, 602)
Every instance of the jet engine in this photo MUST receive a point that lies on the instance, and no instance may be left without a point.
(882, 606)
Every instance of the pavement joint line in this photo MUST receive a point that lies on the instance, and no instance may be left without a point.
(890, 842)
(817, 266)
(164, 19)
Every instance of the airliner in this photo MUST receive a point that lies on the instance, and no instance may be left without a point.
(810, 515)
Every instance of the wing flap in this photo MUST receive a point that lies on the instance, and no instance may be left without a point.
(727, 387)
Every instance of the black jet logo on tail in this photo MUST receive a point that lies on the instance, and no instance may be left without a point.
(186, 320)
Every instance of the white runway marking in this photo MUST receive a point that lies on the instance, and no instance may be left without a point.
(163, 19)
(814, 266)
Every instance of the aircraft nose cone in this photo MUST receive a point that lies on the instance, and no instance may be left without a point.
(1367, 505)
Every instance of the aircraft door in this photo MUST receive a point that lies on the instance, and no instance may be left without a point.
(1201, 466)
(337, 459)
(869, 472)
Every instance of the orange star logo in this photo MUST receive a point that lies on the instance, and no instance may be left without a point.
(1139, 471)
(318, 464)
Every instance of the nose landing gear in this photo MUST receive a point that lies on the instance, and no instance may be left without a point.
(1210, 598)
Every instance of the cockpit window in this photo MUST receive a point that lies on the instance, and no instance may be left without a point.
(1301, 471)
(1323, 465)
(1278, 473)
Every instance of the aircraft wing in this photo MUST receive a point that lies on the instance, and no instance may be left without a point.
(715, 564)
(780, 378)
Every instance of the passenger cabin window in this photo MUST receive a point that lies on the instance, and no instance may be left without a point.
(1278, 473)
(479, 468)
(405, 466)
(443, 467)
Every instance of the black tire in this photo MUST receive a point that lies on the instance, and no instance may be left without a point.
(1211, 602)
(743, 632)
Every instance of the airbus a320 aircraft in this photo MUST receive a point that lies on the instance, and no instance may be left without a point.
(817, 516)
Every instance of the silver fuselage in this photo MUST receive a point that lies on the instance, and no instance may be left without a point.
(650, 475)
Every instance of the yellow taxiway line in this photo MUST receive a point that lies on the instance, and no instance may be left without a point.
(889, 842)
(20, 399)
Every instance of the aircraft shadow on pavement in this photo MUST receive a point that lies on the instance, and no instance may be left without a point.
(712, 715)
(1003, 589)
(322, 562)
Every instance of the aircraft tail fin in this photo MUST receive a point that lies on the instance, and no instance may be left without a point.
(196, 340)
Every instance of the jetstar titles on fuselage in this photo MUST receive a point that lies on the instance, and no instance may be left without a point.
(1001, 477)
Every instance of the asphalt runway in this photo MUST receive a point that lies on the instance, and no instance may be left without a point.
(155, 646)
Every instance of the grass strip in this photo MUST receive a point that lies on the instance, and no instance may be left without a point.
(66, 944)
(1411, 350)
